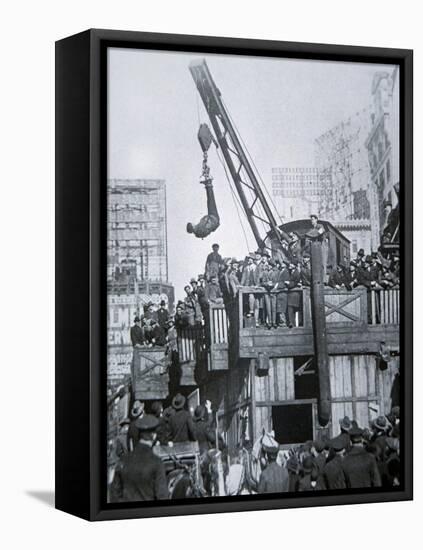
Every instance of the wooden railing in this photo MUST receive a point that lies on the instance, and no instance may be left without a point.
(384, 306)
(218, 324)
(190, 341)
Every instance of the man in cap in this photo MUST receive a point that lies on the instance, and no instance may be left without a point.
(359, 466)
(137, 334)
(214, 262)
(274, 478)
(180, 424)
(140, 476)
(333, 475)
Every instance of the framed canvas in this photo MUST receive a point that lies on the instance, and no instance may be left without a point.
(233, 290)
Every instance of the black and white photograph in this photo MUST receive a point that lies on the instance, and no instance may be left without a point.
(253, 276)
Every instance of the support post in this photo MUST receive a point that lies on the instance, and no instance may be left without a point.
(319, 331)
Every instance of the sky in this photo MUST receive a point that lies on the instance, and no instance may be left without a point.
(280, 106)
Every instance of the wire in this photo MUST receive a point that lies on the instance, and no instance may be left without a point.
(252, 161)
(234, 198)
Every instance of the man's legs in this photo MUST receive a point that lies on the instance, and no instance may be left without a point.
(211, 201)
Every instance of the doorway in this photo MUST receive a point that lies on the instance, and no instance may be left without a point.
(293, 423)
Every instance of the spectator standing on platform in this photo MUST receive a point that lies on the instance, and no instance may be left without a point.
(294, 295)
(214, 262)
(137, 333)
(162, 314)
(250, 279)
(192, 307)
(213, 292)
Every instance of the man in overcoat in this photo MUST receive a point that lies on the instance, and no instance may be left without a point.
(274, 478)
(140, 476)
(360, 467)
(333, 475)
(294, 294)
(181, 424)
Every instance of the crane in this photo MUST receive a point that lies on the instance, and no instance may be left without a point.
(251, 195)
(257, 209)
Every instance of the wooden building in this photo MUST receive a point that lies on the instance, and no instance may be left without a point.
(266, 379)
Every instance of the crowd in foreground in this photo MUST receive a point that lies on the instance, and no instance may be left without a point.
(355, 458)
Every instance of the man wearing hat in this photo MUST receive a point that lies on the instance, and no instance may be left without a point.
(214, 262)
(162, 314)
(137, 412)
(181, 425)
(274, 478)
(333, 475)
(140, 476)
(137, 334)
(122, 438)
(294, 295)
(310, 480)
(203, 432)
(359, 260)
(359, 466)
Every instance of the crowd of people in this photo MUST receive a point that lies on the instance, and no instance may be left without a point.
(354, 458)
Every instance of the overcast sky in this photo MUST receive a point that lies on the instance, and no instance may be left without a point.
(279, 106)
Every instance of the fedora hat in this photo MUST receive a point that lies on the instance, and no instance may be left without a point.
(345, 424)
(381, 423)
(137, 408)
(178, 401)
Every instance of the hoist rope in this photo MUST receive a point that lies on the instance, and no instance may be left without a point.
(235, 199)
(252, 162)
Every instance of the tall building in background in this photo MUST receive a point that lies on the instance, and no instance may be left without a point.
(383, 144)
(137, 262)
(136, 224)
(298, 191)
(341, 154)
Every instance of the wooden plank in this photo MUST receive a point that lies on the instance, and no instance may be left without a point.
(346, 367)
(281, 375)
(362, 414)
(289, 378)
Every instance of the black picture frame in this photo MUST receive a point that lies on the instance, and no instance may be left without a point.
(81, 113)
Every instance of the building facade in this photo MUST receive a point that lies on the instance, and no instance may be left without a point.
(298, 191)
(341, 153)
(137, 264)
(136, 223)
(383, 145)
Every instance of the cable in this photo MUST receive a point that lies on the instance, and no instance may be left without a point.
(252, 161)
(234, 198)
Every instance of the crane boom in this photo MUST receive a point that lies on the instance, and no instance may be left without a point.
(245, 180)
